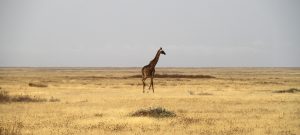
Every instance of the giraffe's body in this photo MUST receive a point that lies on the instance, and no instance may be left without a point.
(149, 70)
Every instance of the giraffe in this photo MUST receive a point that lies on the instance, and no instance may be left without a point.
(149, 70)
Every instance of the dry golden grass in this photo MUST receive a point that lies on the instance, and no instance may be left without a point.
(101, 101)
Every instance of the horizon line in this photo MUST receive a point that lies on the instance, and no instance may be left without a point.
(156, 67)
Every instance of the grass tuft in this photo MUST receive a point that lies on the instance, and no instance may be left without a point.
(4, 97)
(156, 112)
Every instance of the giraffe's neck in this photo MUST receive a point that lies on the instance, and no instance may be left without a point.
(155, 60)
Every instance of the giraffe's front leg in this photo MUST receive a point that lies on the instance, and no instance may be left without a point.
(152, 80)
(152, 84)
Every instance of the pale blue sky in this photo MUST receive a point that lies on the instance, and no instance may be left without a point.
(193, 33)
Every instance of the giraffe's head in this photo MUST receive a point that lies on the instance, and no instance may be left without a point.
(162, 51)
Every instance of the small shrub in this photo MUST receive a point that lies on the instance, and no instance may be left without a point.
(191, 92)
(52, 99)
(83, 101)
(204, 94)
(201, 93)
(98, 114)
(157, 112)
(291, 90)
(37, 84)
(4, 97)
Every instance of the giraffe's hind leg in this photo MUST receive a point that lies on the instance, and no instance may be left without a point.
(144, 84)
(151, 83)
(152, 76)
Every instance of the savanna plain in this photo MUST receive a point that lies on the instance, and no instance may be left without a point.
(107, 100)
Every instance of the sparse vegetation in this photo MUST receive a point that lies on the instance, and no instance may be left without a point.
(12, 129)
(233, 103)
(156, 112)
(189, 120)
(291, 90)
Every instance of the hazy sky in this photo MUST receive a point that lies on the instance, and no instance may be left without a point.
(204, 33)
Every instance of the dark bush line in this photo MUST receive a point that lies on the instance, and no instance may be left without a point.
(37, 85)
(138, 76)
(175, 76)
(291, 90)
(92, 77)
(5, 97)
(26, 98)
(156, 112)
